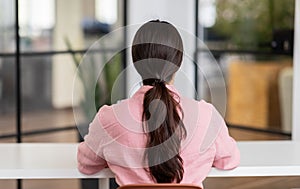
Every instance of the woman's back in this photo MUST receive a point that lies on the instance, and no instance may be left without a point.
(158, 136)
(117, 136)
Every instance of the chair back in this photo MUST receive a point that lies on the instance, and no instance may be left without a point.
(159, 186)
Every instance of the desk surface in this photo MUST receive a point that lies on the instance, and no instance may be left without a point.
(58, 160)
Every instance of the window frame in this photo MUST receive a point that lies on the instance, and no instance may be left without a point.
(296, 78)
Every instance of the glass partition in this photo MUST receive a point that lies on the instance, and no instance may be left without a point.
(54, 35)
(253, 45)
(7, 72)
(47, 26)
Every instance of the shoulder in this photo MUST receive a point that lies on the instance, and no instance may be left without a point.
(202, 106)
(201, 102)
(109, 114)
(205, 105)
(209, 112)
(197, 113)
(203, 114)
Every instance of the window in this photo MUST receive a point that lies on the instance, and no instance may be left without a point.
(107, 11)
(46, 59)
(253, 45)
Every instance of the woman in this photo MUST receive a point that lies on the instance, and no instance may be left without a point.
(157, 135)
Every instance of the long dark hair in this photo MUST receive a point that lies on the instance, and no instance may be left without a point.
(157, 52)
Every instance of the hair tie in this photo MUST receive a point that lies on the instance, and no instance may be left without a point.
(153, 82)
(158, 81)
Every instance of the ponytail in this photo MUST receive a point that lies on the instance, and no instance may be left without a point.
(165, 131)
(157, 51)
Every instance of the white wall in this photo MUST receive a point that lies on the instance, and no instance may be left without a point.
(181, 14)
(296, 87)
(68, 17)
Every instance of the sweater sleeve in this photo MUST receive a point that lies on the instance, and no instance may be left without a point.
(88, 161)
(90, 152)
(227, 153)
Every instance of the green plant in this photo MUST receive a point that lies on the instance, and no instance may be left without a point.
(250, 23)
(87, 76)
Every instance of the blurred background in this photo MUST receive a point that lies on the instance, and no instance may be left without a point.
(252, 42)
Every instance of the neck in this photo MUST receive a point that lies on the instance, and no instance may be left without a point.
(171, 82)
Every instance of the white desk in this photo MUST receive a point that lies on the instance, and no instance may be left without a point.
(58, 160)
(265, 158)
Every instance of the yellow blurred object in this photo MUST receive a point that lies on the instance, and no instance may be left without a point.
(253, 98)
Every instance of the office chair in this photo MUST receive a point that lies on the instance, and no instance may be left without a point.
(159, 186)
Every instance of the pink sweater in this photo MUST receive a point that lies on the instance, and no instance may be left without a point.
(116, 140)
